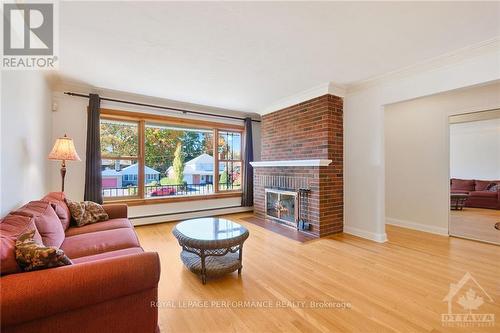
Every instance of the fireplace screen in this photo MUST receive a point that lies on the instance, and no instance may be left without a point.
(282, 205)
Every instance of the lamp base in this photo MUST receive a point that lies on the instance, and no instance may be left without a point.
(63, 174)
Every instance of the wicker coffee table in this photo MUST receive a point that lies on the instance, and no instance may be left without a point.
(211, 246)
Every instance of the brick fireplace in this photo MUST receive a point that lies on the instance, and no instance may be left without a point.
(302, 148)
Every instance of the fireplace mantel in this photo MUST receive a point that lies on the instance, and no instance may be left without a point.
(291, 163)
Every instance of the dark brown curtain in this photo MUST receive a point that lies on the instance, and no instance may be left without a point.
(93, 178)
(247, 197)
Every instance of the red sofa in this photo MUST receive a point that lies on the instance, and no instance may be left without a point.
(111, 286)
(479, 196)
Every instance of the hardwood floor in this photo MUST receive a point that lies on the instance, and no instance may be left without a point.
(475, 223)
(397, 286)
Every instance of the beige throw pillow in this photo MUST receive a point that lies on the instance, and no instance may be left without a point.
(86, 212)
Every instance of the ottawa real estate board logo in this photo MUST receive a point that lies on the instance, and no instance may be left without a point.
(469, 294)
(29, 36)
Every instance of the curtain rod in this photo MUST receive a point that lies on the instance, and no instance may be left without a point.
(159, 107)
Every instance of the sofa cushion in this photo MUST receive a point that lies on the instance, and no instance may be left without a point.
(46, 221)
(8, 255)
(484, 194)
(32, 256)
(111, 254)
(459, 192)
(99, 242)
(106, 225)
(86, 212)
(58, 202)
(11, 227)
(482, 185)
(462, 184)
(14, 225)
(116, 211)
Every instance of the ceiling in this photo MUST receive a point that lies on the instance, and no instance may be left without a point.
(245, 56)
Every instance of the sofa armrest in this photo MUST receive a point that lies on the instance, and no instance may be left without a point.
(38, 294)
(116, 211)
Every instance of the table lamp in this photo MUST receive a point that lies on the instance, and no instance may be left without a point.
(64, 150)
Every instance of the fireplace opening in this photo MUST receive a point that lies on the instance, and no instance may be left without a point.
(282, 205)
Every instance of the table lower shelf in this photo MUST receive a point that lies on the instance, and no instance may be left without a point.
(214, 265)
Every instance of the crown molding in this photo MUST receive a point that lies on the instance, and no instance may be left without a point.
(444, 60)
(317, 91)
(448, 59)
(337, 89)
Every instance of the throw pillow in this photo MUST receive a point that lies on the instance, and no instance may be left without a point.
(57, 200)
(494, 187)
(11, 227)
(46, 220)
(32, 256)
(462, 184)
(482, 185)
(86, 212)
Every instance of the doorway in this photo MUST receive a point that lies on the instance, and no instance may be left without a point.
(475, 176)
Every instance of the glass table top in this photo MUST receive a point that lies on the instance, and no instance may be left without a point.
(210, 228)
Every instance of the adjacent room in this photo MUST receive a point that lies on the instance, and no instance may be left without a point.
(293, 166)
(475, 175)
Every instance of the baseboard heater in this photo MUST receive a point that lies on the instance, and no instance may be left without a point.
(184, 212)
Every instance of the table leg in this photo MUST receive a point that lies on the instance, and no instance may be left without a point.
(241, 258)
(203, 268)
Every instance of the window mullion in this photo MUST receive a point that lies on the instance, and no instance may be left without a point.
(142, 148)
(216, 160)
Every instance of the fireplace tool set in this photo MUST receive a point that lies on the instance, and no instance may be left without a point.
(303, 210)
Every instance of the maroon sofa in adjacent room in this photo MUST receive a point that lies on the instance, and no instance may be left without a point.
(111, 287)
(479, 195)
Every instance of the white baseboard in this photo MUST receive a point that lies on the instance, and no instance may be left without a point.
(417, 226)
(183, 215)
(376, 237)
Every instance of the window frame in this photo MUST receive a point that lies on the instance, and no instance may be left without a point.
(125, 158)
(218, 161)
(141, 119)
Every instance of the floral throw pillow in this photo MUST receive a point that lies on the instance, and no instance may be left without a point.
(493, 187)
(86, 212)
(32, 256)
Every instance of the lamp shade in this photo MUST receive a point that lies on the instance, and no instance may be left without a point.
(64, 149)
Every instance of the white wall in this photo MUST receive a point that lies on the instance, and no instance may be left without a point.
(475, 149)
(70, 118)
(26, 138)
(364, 169)
(417, 155)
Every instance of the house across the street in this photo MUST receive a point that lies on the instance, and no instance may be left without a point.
(111, 178)
(199, 170)
(127, 176)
